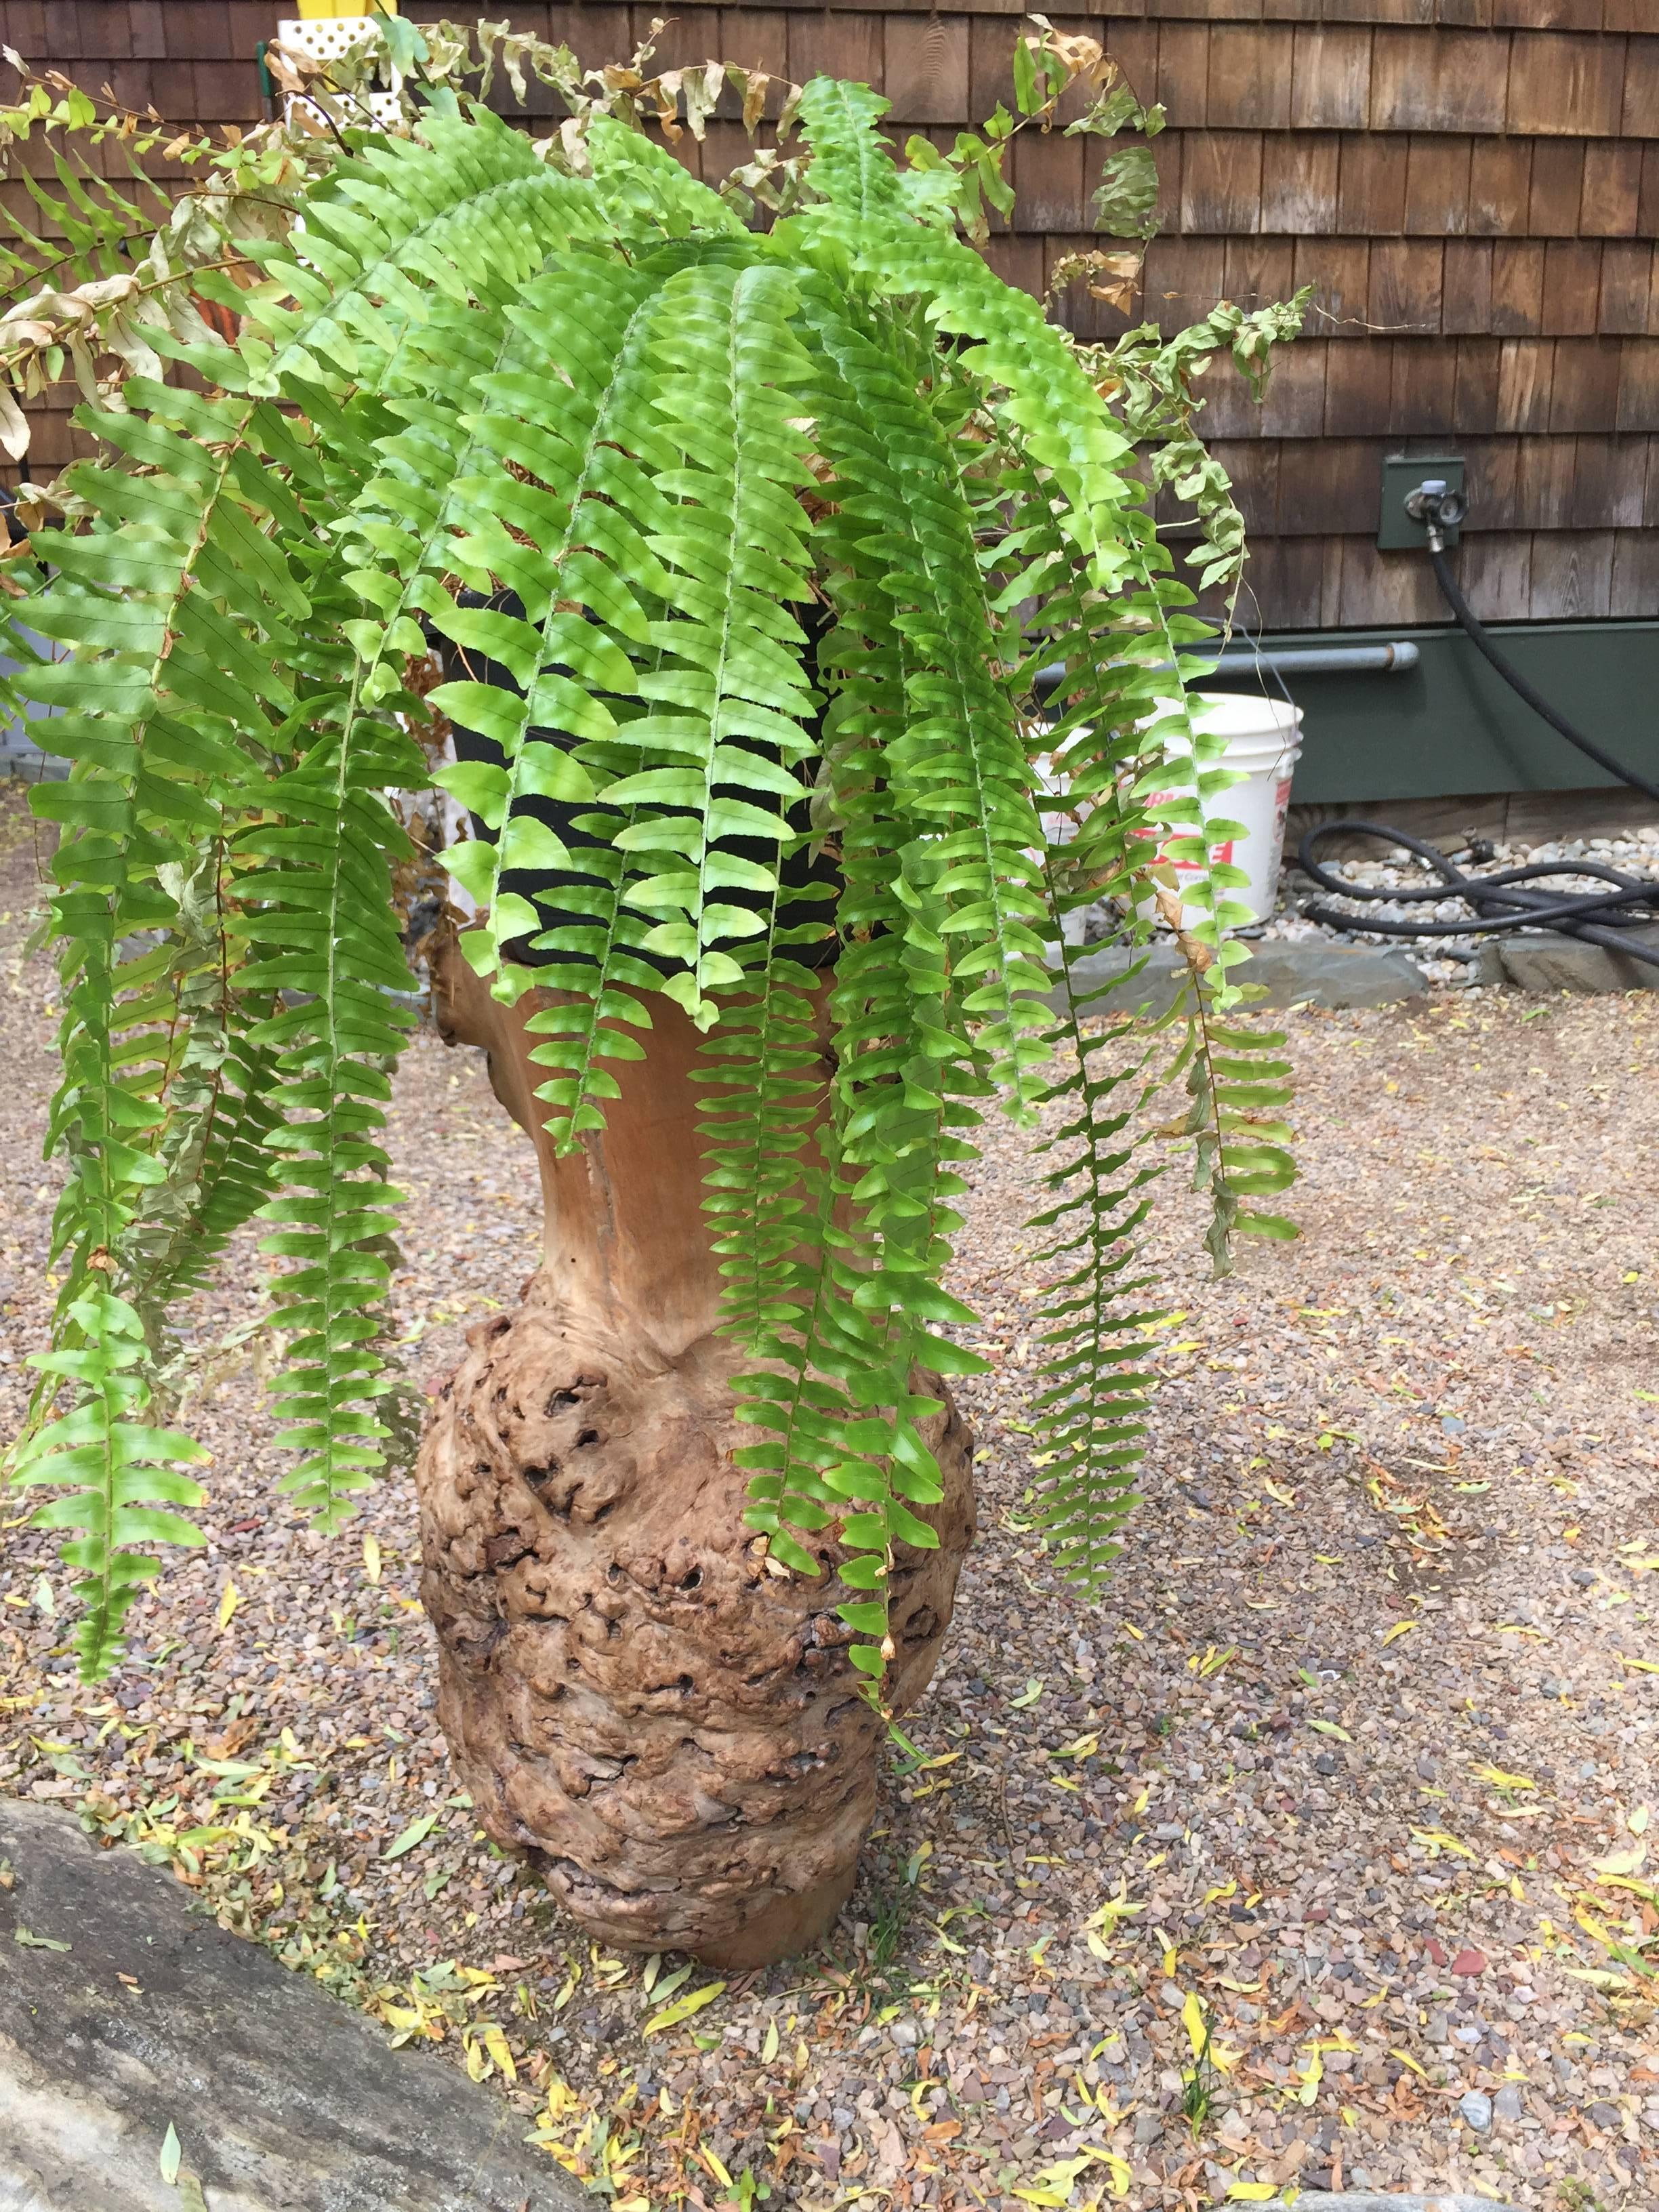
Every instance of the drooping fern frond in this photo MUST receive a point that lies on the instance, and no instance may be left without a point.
(117, 1475)
(172, 705)
(319, 921)
(213, 1086)
(743, 550)
(397, 227)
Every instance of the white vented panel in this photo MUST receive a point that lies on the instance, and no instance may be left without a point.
(325, 38)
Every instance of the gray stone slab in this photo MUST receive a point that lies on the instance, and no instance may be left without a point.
(1544, 962)
(1364, 2200)
(284, 2100)
(1304, 971)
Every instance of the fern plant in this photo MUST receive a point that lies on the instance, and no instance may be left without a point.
(558, 404)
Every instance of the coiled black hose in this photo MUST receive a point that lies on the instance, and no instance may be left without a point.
(1498, 902)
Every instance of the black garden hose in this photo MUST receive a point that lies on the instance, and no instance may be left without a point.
(1498, 902)
(1472, 627)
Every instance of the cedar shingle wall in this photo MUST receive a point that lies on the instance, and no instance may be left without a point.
(1472, 187)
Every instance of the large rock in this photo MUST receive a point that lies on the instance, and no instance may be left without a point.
(1366, 2200)
(284, 2100)
(1544, 961)
(1302, 971)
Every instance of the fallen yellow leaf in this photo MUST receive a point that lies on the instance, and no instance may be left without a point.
(670, 2015)
(1630, 1861)
(230, 1599)
(1437, 1841)
(1084, 1746)
(495, 2044)
(1195, 2021)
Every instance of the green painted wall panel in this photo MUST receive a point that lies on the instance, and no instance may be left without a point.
(1452, 726)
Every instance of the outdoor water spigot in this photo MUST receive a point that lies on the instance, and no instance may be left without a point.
(1435, 504)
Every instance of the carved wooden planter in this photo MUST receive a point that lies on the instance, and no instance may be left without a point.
(664, 1724)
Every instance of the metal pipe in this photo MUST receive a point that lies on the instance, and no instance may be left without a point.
(1301, 660)
(1322, 660)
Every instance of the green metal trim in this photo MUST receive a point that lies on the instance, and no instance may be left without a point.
(1450, 724)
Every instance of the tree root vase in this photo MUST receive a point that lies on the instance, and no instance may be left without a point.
(660, 1721)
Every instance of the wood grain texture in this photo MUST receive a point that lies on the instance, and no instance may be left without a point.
(1298, 183)
(1557, 194)
(1371, 190)
(1635, 586)
(1571, 575)
(1438, 81)
(1438, 174)
(1465, 301)
(1330, 78)
(927, 69)
(1328, 486)
(1338, 272)
(1470, 189)
(1047, 173)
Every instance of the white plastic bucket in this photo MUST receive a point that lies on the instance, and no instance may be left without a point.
(1263, 739)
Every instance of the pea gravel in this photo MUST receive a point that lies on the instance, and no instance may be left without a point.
(1347, 1781)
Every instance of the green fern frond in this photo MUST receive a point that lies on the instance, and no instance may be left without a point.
(116, 1474)
(1094, 1395)
(179, 610)
(212, 1088)
(766, 1083)
(558, 473)
(641, 189)
(1049, 405)
(470, 208)
(557, 405)
(666, 461)
(956, 759)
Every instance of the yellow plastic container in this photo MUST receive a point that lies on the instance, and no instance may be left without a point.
(317, 11)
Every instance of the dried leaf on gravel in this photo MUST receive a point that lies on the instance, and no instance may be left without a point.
(670, 2015)
(416, 1832)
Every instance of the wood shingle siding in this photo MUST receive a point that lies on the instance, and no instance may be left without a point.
(1470, 186)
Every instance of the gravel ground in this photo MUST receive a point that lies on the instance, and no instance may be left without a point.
(1351, 1773)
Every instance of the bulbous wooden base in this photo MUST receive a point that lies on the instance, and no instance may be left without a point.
(667, 1727)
